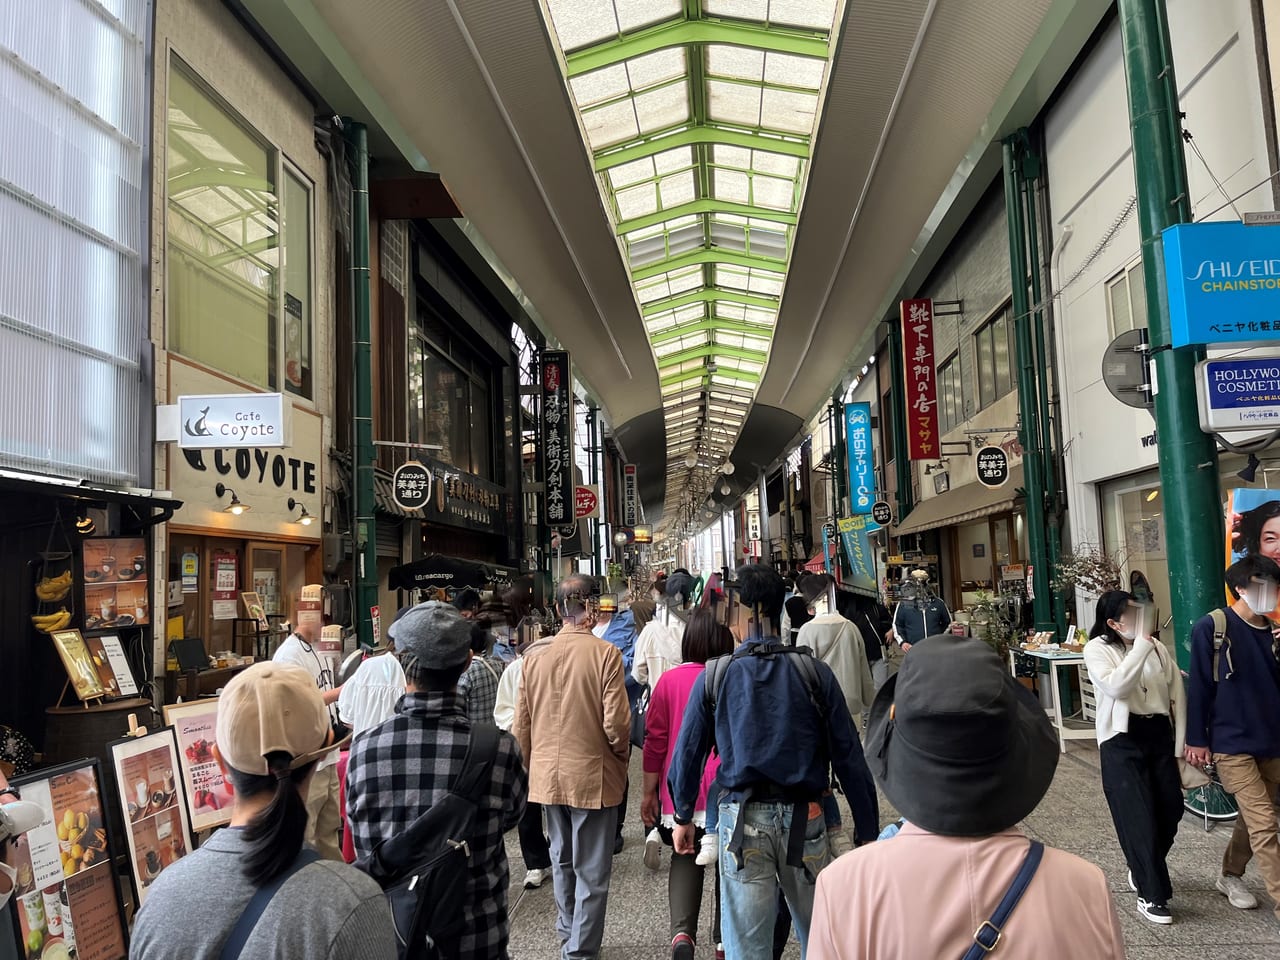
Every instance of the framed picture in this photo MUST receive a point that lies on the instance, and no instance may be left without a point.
(116, 583)
(78, 662)
(67, 901)
(253, 605)
(979, 550)
(208, 795)
(153, 803)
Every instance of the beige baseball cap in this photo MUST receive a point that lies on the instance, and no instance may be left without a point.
(269, 708)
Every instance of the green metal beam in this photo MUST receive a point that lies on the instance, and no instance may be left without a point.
(739, 375)
(694, 135)
(682, 33)
(710, 295)
(706, 205)
(708, 255)
(711, 350)
(713, 324)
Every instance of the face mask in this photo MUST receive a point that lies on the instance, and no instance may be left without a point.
(1125, 633)
(1260, 596)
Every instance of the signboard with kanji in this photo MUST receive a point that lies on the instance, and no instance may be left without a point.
(557, 438)
(862, 481)
(993, 466)
(411, 485)
(921, 384)
(586, 502)
(630, 496)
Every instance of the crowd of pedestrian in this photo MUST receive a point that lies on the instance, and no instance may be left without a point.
(749, 730)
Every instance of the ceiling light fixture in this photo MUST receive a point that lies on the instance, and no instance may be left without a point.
(235, 506)
(85, 526)
(1248, 474)
(691, 460)
(725, 489)
(727, 468)
(306, 519)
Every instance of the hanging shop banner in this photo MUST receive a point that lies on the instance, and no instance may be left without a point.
(992, 464)
(862, 480)
(411, 485)
(826, 547)
(557, 438)
(921, 386)
(586, 502)
(1239, 394)
(630, 496)
(1223, 281)
(854, 533)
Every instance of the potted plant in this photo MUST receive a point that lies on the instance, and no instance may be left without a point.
(988, 622)
(1089, 570)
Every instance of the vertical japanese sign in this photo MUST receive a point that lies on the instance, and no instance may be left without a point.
(857, 548)
(630, 496)
(557, 438)
(857, 432)
(921, 385)
(225, 577)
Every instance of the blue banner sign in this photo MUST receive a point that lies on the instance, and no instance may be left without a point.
(1223, 282)
(862, 475)
(857, 549)
(1239, 394)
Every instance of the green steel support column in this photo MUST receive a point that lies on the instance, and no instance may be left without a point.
(1188, 458)
(364, 539)
(898, 418)
(1030, 176)
(593, 433)
(1032, 465)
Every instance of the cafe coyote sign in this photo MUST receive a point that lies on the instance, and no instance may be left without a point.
(993, 466)
(557, 439)
(921, 386)
(232, 420)
(411, 486)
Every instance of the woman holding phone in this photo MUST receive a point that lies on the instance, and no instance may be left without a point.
(1141, 722)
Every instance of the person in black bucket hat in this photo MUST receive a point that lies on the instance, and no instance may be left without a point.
(964, 752)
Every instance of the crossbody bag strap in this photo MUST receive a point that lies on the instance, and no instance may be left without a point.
(232, 949)
(481, 753)
(988, 935)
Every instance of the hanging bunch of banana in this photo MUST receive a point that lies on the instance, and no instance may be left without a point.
(49, 622)
(54, 589)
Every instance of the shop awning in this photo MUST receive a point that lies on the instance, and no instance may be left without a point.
(143, 502)
(437, 570)
(969, 502)
(817, 563)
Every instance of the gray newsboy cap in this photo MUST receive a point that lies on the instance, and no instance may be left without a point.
(431, 636)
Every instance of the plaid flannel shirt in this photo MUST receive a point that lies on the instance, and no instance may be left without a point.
(401, 767)
(478, 686)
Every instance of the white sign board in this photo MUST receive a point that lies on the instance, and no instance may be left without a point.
(1239, 393)
(232, 420)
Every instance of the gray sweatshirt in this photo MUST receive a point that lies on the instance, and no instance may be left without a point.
(326, 911)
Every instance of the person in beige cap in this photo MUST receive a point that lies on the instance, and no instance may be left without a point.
(252, 891)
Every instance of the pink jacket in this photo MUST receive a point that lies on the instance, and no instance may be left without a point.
(868, 903)
(662, 729)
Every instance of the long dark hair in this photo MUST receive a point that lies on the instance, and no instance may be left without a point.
(705, 637)
(1111, 606)
(275, 834)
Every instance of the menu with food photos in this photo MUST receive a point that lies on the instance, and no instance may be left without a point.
(150, 792)
(67, 901)
(207, 793)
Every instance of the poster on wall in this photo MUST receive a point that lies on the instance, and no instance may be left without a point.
(149, 790)
(1253, 528)
(116, 592)
(225, 578)
(66, 902)
(253, 607)
(557, 438)
(921, 384)
(207, 793)
(76, 659)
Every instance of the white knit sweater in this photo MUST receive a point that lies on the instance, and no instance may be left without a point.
(1119, 674)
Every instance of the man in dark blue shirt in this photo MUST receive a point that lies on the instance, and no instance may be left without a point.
(777, 740)
(1232, 713)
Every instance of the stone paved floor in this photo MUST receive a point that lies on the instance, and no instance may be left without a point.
(1073, 816)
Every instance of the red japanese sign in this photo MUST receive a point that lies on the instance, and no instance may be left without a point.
(921, 381)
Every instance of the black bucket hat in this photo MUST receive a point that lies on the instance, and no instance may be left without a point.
(959, 747)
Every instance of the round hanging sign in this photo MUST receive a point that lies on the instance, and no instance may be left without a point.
(882, 513)
(993, 466)
(411, 486)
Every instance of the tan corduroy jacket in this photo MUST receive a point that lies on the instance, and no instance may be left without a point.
(573, 722)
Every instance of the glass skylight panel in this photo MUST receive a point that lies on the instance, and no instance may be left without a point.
(724, 156)
(731, 185)
(634, 14)
(739, 9)
(607, 83)
(813, 14)
(662, 107)
(789, 70)
(736, 103)
(680, 343)
(777, 164)
(670, 160)
(654, 68)
(740, 62)
(772, 192)
(611, 124)
(636, 201)
(686, 239)
(789, 111)
(579, 24)
(625, 174)
(669, 284)
(677, 189)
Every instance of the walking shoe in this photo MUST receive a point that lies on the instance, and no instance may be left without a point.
(1132, 886)
(536, 877)
(682, 947)
(708, 850)
(618, 844)
(1236, 892)
(1155, 912)
(719, 951)
(838, 842)
(653, 849)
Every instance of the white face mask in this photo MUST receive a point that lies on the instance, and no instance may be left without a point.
(1125, 632)
(1260, 596)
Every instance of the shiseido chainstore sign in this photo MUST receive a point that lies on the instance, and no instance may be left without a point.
(241, 457)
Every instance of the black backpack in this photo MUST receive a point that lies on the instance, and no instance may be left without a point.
(425, 869)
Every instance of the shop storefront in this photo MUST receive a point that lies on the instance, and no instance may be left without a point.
(252, 523)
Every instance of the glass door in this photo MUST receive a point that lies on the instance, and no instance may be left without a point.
(265, 576)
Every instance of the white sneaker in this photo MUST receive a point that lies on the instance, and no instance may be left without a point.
(1155, 912)
(1236, 892)
(708, 850)
(1132, 886)
(536, 878)
(653, 849)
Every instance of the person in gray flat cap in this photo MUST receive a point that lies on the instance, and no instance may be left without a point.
(401, 768)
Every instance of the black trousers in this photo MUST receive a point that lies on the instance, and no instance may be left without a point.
(533, 842)
(1143, 790)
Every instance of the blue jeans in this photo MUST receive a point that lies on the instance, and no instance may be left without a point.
(749, 895)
